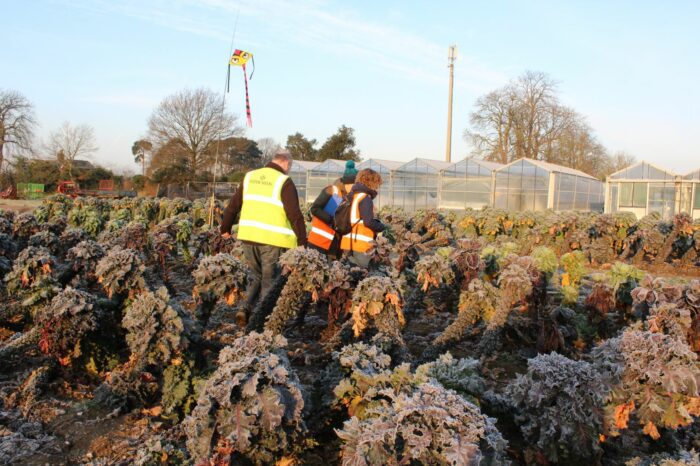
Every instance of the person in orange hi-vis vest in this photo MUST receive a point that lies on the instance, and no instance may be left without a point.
(365, 225)
(322, 236)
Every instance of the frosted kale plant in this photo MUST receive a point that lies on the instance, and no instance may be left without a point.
(478, 302)
(377, 300)
(155, 331)
(133, 235)
(654, 376)
(220, 277)
(655, 291)
(467, 261)
(308, 272)
(559, 404)
(515, 284)
(121, 272)
(23, 226)
(83, 258)
(367, 378)
(158, 334)
(45, 239)
(65, 322)
(8, 250)
(430, 425)
(460, 375)
(250, 408)
(434, 271)
(32, 279)
(681, 458)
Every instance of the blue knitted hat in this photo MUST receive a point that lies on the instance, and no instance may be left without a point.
(350, 172)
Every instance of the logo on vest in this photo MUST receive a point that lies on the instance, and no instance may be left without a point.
(261, 180)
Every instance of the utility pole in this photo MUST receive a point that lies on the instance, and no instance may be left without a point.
(451, 57)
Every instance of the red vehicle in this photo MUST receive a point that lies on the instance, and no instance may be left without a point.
(9, 193)
(106, 190)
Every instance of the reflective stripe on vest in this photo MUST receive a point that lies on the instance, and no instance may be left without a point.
(263, 219)
(361, 237)
(322, 234)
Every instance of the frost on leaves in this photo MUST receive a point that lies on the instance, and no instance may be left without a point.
(434, 271)
(250, 407)
(121, 271)
(308, 272)
(220, 277)
(378, 300)
(70, 316)
(654, 376)
(430, 425)
(155, 330)
(32, 279)
(478, 302)
(559, 407)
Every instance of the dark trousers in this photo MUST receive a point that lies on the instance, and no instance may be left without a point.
(262, 260)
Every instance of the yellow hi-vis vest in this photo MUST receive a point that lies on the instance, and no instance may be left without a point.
(263, 219)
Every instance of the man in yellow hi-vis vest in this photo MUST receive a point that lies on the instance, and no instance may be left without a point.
(270, 222)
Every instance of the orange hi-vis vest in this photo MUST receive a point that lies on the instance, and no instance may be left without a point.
(322, 234)
(361, 237)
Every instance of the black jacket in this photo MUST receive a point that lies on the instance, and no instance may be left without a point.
(290, 201)
(367, 207)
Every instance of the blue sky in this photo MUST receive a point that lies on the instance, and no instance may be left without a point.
(631, 67)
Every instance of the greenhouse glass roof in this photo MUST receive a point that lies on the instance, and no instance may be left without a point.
(642, 171)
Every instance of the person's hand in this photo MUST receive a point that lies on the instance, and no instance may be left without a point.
(225, 235)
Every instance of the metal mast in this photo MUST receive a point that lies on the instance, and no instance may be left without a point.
(451, 57)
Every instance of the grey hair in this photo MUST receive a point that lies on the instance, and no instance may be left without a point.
(283, 156)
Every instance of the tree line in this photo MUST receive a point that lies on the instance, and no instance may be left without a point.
(191, 137)
(525, 118)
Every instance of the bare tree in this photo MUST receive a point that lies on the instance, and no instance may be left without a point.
(269, 147)
(192, 120)
(17, 123)
(526, 119)
(69, 142)
(618, 161)
(140, 150)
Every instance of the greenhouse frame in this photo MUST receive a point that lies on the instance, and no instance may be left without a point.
(386, 169)
(322, 175)
(416, 184)
(527, 184)
(467, 184)
(643, 188)
(298, 174)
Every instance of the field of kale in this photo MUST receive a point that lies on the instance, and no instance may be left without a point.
(479, 337)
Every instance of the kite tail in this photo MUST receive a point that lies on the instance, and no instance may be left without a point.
(247, 99)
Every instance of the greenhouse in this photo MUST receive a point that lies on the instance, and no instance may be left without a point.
(298, 173)
(467, 184)
(322, 175)
(691, 194)
(643, 188)
(386, 169)
(416, 184)
(528, 184)
(524, 184)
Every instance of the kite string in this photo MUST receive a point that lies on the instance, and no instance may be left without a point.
(223, 108)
